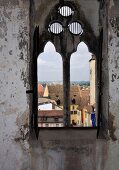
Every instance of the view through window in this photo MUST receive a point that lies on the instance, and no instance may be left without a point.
(82, 88)
(50, 109)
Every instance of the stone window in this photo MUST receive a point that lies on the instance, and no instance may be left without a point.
(65, 27)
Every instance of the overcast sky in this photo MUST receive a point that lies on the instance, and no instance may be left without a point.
(50, 64)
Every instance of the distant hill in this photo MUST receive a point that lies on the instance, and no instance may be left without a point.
(81, 83)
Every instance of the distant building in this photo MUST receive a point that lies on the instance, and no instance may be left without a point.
(50, 118)
(75, 114)
(80, 108)
(75, 118)
(86, 113)
(46, 104)
(92, 64)
(86, 118)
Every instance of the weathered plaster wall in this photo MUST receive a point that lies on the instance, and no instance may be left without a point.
(109, 85)
(14, 52)
(91, 12)
(104, 80)
(65, 149)
(113, 65)
(113, 53)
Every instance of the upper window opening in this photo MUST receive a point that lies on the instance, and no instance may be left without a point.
(65, 11)
(75, 28)
(55, 28)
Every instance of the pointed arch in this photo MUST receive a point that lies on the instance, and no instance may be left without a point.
(49, 64)
(82, 74)
(80, 63)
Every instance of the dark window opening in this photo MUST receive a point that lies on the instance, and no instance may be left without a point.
(57, 125)
(73, 123)
(73, 107)
(56, 119)
(73, 101)
(58, 101)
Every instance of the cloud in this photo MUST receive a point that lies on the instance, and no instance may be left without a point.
(41, 61)
(79, 65)
(50, 64)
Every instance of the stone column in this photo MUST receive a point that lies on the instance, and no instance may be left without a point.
(66, 90)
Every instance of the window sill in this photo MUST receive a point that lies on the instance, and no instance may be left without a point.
(67, 133)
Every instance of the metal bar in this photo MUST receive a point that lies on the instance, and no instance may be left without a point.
(57, 26)
(77, 28)
(29, 91)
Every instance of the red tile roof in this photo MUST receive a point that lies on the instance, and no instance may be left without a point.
(57, 90)
(50, 113)
(42, 100)
(40, 90)
(85, 97)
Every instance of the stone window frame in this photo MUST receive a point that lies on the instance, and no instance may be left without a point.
(93, 46)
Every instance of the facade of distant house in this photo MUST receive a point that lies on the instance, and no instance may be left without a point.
(50, 118)
(75, 118)
(74, 107)
(75, 114)
(87, 112)
(86, 118)
(46, 91)
(45, 106)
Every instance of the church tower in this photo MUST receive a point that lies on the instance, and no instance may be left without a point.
(92, 79)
